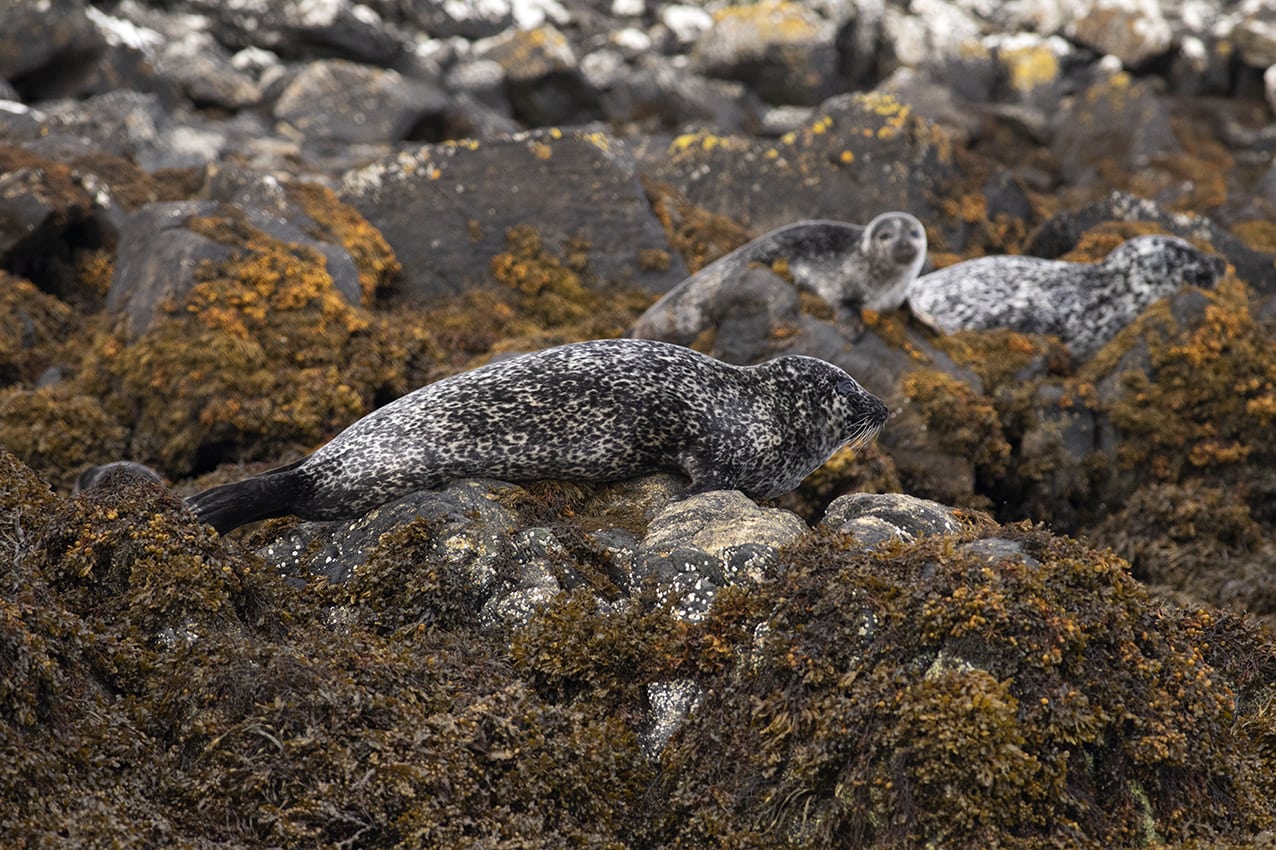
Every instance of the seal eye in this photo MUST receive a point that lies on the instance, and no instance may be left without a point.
(847, 386)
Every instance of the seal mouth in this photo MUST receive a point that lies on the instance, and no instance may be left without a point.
(1209, 276)
(869, 424)
(904, 253)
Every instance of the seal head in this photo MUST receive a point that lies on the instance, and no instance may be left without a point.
(595, 411)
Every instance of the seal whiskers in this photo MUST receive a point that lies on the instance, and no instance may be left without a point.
(593, 411)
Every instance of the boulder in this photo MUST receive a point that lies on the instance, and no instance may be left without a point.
(446, 208)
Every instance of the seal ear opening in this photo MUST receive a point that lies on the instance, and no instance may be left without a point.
(228, 506)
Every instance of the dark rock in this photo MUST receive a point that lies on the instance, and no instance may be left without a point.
(469, 19)
(56, 62)
(44, 211)
(341, 101)
(863, 154)
(304, 29)
(1061, 233)
(169, 54)
(544, 84)
(465, 513)
(659, 91)
(109, 474)
(1117, 123)
(446, 208)
(136, 126)
(157, 261)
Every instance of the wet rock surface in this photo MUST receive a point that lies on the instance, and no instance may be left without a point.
(1037, 612)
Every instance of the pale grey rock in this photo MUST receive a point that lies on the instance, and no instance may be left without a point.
(715, 521)
(1255, 34)
(875, 518)
(687, 23)
(996, 550)
(785, 53)
(930, 32)
(1134, 31)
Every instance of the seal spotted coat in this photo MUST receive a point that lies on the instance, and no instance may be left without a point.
(847, 265)
(1085, 304)
(595, 411)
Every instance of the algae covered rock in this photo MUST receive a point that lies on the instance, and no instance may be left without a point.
(938, 696)
(859, 155)
(445, 209)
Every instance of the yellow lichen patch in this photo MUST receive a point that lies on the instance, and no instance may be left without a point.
(969, 421)
(778, 21)
(706, 141)
(1030, 67)
(340, 223)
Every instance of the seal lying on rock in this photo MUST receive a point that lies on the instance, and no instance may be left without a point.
(594, 411)
(847, 265)
(1085, 304)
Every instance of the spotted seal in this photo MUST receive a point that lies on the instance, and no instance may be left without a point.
(846, 265)
(1085, 304)
(596, 411)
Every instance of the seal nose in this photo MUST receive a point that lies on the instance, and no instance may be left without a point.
(904, 252)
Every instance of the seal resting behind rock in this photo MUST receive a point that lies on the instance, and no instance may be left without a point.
(847, 265)
(593, 411)
(1085, 304)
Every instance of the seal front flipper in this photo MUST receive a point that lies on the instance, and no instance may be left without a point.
(275, 492)
(704, 477)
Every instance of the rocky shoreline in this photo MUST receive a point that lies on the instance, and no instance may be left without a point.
(1037, 613)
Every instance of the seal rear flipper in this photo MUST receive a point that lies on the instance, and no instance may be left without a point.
(228, 506)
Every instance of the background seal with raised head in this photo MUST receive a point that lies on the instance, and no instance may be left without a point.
(595, 411)
(849, 266)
